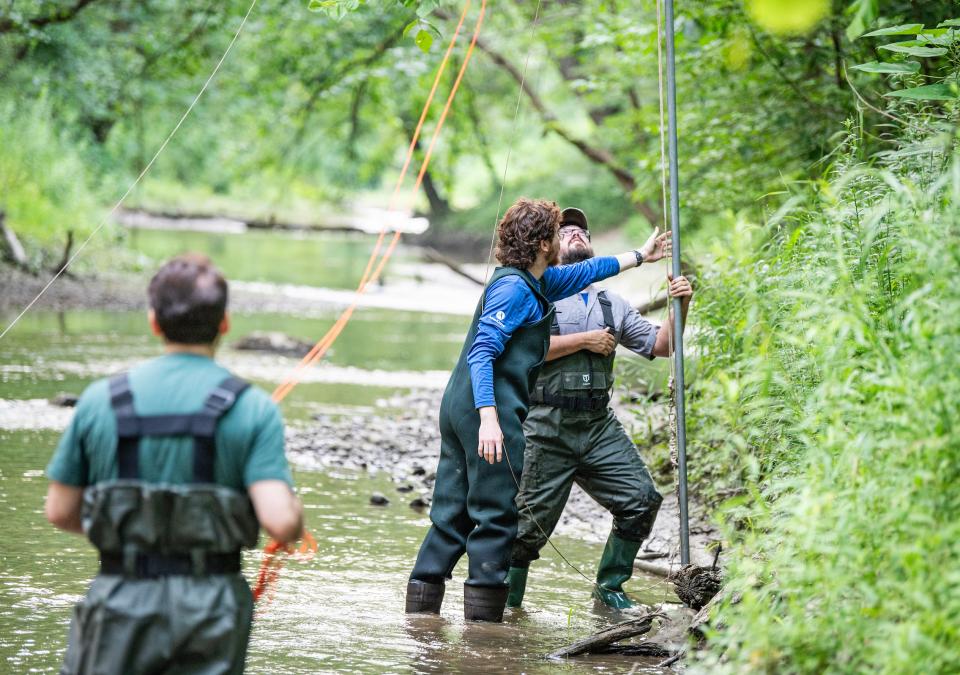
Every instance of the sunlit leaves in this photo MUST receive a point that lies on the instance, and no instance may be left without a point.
(788, 16)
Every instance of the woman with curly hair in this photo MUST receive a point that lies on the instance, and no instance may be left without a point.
(486, 402)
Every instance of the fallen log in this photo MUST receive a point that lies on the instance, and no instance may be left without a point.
(650, 649)
(433, 255)
(608, 636)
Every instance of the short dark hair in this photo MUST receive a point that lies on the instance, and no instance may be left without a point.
(188, 295)
(525, 224)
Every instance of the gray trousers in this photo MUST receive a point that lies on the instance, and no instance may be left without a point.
(594, 451)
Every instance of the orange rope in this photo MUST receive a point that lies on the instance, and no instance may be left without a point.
(321, 347)
(272, 562)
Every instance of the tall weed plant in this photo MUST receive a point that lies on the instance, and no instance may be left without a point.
(824, 421)
(45, 188)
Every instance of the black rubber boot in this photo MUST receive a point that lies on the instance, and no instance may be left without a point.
(424, 598)
(484, 603)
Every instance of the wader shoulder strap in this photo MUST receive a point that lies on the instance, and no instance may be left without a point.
(201, 426)
(555, 325)
(218, 402)
(607, 308)
(128, 427)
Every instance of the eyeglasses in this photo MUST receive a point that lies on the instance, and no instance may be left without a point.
(569, 230)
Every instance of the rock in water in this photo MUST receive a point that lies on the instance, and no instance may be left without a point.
(378, 499)
(419, 503)
(64, 400)
(695, 585)
(275, 343)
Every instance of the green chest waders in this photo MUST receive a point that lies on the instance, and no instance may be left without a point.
(473, 503)
(169, 597)
(574, 437)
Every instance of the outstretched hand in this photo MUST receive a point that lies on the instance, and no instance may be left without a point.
(658, 246)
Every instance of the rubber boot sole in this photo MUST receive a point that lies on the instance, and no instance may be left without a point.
(423, 597)
(484, 603)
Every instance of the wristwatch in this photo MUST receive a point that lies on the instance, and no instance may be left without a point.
(637, 252)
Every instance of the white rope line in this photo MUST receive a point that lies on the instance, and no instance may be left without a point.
(136, 182)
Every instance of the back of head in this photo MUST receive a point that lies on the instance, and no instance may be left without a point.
(188, 296)
(525, 224)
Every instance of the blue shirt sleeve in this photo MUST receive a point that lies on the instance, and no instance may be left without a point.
(509, 304)
(564, 280)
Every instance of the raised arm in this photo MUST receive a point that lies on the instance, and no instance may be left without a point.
(565, 280)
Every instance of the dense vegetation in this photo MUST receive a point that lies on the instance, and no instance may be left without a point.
(819, 177)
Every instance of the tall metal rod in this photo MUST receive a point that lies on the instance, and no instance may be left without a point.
(677, 315)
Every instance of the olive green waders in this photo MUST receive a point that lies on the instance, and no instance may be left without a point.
(574, 437)
(473, 502)
(169, 597)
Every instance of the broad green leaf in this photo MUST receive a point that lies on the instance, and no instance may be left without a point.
(929, 92)
(949, 22)
(423, 40)
(932, 38)
(864, 14)
(913, 49)
(409, 27)
(882, 67)
(902, 29)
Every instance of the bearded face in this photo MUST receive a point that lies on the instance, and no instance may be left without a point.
(575, 248)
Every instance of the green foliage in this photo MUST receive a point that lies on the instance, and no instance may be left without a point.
(824, 415)
(45, 188)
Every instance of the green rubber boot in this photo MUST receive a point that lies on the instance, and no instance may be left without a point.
(616, 567)
(517, 578)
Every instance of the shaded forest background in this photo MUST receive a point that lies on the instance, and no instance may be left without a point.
(819, 191)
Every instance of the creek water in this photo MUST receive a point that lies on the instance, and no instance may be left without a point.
(340, 611)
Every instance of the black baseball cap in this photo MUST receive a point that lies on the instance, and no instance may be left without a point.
(574, 216)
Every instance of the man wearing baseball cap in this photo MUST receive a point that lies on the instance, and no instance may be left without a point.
(572, 433)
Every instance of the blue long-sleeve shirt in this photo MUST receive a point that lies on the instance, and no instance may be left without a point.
(510, 304)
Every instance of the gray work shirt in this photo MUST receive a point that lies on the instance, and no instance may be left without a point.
(632, 330)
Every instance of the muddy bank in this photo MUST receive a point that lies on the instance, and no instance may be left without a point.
(401, 438)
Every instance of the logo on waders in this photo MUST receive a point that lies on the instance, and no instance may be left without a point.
(586, 379)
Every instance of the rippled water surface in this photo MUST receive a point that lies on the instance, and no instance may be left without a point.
(341, 611)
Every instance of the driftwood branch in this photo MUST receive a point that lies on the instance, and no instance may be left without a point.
(603, 639)
(433, 255)
(14, 249)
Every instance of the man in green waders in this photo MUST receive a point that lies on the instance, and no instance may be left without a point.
(484, 406)
(170, 470)
(573, 435)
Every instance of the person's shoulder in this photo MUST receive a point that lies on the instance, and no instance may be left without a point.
(254, 403)
(512, 285)
(617, 301)
(96, 394)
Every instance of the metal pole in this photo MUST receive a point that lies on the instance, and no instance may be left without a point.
(677, 318)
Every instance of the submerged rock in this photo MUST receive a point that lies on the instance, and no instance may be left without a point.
(273, 342)
(64, 400)
(377, 499)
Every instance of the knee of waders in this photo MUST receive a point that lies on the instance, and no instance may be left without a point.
(523, 554)
(635, 523)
